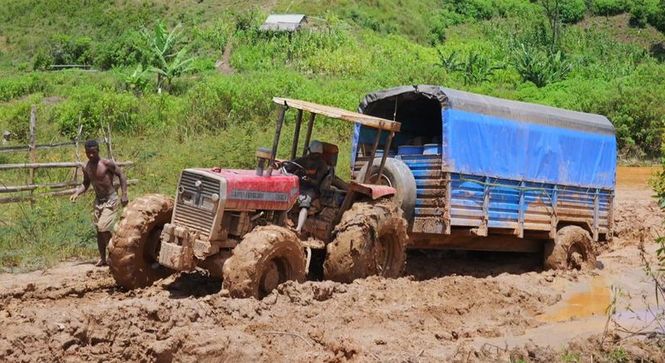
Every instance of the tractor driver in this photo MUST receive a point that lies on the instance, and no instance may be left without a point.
(311, 169)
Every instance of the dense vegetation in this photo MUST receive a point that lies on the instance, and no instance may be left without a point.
(169, 106)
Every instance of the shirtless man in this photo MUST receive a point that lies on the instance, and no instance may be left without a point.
(100, 173)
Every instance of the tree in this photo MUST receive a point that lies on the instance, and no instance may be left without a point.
(552, 10)
(559, 12)
(166, 60)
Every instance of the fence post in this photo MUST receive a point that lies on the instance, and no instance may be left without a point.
(32, 147)
(77, 153)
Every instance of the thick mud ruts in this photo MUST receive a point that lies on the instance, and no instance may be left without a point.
(571, 249)
(455, 307)
(266, 257)
(134, 249)
(370, 240)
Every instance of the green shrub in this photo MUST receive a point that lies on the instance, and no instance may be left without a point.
(127, 49)
(643, 10)
(93, 109)
(366, 20)
(514, 8)
(65, 49)
(639, 118)
(14, 87)
(475, 9)
(16, 117)
(212, 37)
(609, 7)
(42, 60)
(657, 17)
(443, 19)
(572, 11)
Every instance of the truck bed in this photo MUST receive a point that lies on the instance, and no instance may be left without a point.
(447, 201)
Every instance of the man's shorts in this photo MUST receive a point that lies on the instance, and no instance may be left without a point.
(306, 197)
(105, 214)
(304, 201)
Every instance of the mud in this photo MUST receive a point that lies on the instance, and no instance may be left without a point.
(637, 221)
(450, 306)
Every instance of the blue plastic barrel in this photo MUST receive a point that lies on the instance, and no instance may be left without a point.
(409, 150)
(432, 149)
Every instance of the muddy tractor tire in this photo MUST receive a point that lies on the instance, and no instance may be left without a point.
(397, 175)
(134, 249)
(370, 240)
(571, 249)
(266, 257)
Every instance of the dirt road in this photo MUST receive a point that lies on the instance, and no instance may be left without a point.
(449, 307)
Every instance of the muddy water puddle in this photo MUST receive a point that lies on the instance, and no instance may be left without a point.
(592, 301)
(635, 176)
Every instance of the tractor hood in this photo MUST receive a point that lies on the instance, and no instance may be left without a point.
(244, 190)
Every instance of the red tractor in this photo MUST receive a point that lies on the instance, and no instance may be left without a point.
(258, 228)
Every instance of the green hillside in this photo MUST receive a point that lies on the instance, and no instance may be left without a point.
(214, 108)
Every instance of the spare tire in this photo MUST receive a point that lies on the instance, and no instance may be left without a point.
(397, 175)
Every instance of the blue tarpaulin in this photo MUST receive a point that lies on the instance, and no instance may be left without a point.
(490, 146)
(491, 137)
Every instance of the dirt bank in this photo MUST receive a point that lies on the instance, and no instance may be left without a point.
(450, 306)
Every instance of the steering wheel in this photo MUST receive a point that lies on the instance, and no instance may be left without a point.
(300, 170)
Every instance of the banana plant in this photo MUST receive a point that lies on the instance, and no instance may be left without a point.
(167, 61)
(541, 67)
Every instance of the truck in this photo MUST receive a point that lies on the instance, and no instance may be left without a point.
(474, 172)
(256, 229)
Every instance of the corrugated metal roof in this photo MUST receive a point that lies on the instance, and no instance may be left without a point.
(284, 22)
(492, 106)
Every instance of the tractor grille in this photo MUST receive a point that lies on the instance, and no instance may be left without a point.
(191, 211)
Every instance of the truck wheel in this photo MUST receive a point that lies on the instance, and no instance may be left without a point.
(266, 257)
(134, 249)
(370, 240)
(571, 249)
(397, 175)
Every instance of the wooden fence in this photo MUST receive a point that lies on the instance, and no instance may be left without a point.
(66, 187)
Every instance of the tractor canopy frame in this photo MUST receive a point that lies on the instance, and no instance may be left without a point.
(381, 124)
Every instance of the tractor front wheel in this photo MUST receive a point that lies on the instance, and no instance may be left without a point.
(266, 257)
(134, 249)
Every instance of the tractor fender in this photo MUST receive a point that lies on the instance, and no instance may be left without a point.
(398, 176)
(379, 191)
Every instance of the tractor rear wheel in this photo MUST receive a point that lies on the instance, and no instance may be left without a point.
(571, 249)
(370, 240)
(266, 257)
(134, 248)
